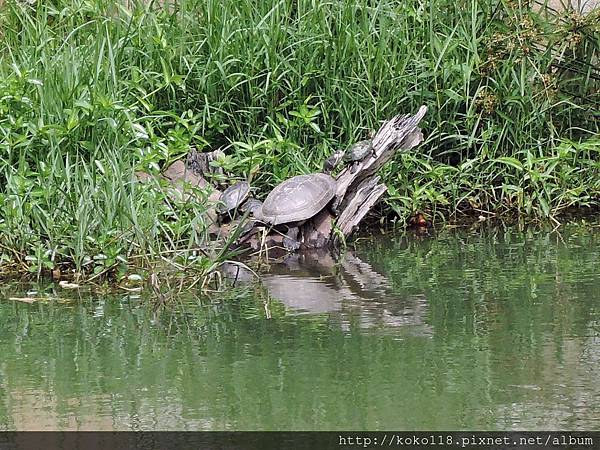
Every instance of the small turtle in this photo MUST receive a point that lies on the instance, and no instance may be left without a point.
(233, 197)
(294, 201)
(243, 227)
(357, 153)
(252, 205)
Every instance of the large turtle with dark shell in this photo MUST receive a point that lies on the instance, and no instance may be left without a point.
(296, 200)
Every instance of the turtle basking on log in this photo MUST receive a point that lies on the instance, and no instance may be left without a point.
(294, 201)
(317, 210)
(310, 205)
(351, 157)
(357, 153)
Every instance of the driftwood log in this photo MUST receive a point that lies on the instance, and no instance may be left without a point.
(359, 188)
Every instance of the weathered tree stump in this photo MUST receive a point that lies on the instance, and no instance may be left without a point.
(357, 191)
(199, 162)
(358, 187)
(397, 134)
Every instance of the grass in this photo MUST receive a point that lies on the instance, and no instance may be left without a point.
(91, 91)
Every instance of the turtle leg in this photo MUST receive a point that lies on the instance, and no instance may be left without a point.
(290, 240)
(354, 167)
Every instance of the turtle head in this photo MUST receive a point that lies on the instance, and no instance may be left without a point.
(332, 162)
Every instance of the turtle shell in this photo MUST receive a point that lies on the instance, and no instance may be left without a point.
(298, 198)
(233, 197)
(359, 150)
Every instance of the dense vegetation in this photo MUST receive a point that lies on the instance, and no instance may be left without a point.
(91, 91)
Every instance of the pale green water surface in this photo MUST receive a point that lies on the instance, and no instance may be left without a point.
(487, 329)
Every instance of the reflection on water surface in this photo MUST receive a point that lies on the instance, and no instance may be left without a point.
(490, 329)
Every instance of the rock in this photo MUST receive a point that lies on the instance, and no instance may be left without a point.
(143, 177)
(182, 177)
(179, 173)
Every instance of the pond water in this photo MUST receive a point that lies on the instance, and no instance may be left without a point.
(481, 329)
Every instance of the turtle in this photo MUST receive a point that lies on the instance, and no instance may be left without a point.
(357, 153)
(294, 201)
(354, 154)
(251, 205)
(233, 197)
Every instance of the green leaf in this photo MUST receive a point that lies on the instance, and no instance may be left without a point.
(509, 161)
(544, 206)
(139, 131)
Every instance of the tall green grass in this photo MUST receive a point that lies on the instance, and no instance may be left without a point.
(92, 90)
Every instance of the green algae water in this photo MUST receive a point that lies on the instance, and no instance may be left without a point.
(484, 329)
